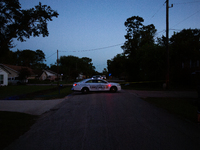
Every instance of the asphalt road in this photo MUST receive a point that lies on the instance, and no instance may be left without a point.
(109, 121)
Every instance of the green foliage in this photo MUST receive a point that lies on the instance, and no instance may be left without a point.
(72, 66)
(116, 65)
(14, 90)
(27, 58)
(21, 24)
(135, 64)
(184, 55)
(24, 73)
(152, 61)
(144, 59)
(137, 35)
(13, 125)
(30, 58)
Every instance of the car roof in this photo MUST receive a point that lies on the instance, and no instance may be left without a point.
(93, 79)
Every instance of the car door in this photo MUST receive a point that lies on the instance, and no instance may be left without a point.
(102, 85)
(92, 85)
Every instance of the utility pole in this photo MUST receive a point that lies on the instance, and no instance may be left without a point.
(57, 69)
(167, 41)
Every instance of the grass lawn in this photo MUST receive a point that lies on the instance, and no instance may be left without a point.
(33, 92)
(58, 92)
(13, 125)
(13, 90)
(183, 107)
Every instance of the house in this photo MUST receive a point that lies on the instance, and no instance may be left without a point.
(3, 77)
(48, 75)
(13, 73)
(80, 77)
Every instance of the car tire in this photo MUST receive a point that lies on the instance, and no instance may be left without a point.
(85, 90)
(113, 89)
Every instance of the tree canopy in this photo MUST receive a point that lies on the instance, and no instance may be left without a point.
(72, 66)
(143, 58)
(137, 35)
(184, 54)
(21, 24)
(30, 58)
(138, 39)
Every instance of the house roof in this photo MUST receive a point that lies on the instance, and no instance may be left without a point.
(16, 68)
(4, 69)
(50, 72)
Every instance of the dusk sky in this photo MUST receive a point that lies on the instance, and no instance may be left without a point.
(95, 28)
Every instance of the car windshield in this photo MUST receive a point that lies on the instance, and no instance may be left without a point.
(101, 81)
(91, 81)
(82, 80)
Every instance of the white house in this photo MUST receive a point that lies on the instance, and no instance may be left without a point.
(48, 74)
(3, 77)
(13, 73)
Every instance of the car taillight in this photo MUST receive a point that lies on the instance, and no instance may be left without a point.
(109, 85)
(75, 84)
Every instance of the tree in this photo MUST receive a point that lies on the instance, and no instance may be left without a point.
(152, 63)
(118, 65)
(86, 66)
(105, 71)
(184, 54)
(72, 66)
(21, 24)
(24, 73)
(137, 36)
(29, 58)
(186, 45)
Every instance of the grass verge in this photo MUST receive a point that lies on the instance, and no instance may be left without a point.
(24, 92)
(13, 125)
(183, 107)
(58, 92)
(14, 90)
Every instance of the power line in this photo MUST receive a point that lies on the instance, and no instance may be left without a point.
(148, 21)
(156, 12)
(51, 55)
(179, 23)
(186, 18)
(94, 49)
(87, 50)
(187, 2)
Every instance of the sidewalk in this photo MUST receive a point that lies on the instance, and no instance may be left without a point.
(175, 94)
(33, 107)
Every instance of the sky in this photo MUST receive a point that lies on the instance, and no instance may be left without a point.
(95, 28)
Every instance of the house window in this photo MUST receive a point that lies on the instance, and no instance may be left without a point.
(182, 65)
(1, 79)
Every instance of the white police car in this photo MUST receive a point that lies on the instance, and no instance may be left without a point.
(95, 85)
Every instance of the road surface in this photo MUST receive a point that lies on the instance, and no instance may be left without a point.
(109, 121)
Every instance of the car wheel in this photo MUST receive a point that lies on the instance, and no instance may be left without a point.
(113, 89)
(85, 90)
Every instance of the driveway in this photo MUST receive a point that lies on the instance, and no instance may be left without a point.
(33, 107)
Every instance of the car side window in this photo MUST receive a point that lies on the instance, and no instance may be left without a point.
(91, 81)
(101, 81)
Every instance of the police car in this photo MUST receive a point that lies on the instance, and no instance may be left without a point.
(95, 85)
